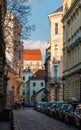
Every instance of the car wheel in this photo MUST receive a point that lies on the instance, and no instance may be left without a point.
(57, 116)
(73, 121)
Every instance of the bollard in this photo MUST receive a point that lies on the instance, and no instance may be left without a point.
(12, 125)
(12, 121)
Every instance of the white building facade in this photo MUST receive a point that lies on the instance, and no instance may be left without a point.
(36, 86)
(55, 86)
(24, 88)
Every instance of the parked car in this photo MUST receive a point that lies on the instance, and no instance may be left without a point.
(43, 106)
(52, 109)
(57, 109)
(62, 111)
(77, 116)
(69, 114)
(38, 106)
(49, 105)
(31, 104)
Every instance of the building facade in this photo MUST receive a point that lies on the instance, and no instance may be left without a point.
(2, 54)
(32, 58)
(24, 88)
(47, 71)
(36, 86)
(54, 85)
(72, 48)
(14, 55)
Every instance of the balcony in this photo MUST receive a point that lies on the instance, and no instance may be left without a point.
(54, 81)
(74, 44)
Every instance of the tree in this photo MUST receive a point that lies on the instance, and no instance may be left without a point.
(22, 10)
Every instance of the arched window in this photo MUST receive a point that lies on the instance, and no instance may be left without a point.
(56, 49)
(56, 28)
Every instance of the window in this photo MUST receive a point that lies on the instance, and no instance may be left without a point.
(56, 49)
(19, 55)
(23, 77)
(34, 84)
(24, 85)
(56, 28)
(56, 94)
(41, 83)
(37, 63)
(55, 73)
(34, 92)
(30, 63)
(23, 93)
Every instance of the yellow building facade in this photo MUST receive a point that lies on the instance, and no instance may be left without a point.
(10, 86)
(72, 48)
(14, 57)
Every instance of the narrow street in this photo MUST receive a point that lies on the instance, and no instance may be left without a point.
(30, 119)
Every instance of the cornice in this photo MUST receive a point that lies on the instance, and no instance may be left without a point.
(70, 9)
(55, 14)
(71, 71)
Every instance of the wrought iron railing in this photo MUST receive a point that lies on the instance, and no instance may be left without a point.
(52, 79)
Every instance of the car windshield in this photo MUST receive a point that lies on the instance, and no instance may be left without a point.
(71, 108)
(45, 104)
(60, 104)
(51, 103)
(65, 106)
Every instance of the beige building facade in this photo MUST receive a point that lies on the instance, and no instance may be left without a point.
(54, 85)
(72, 48)
(32, 58)
(14, 57)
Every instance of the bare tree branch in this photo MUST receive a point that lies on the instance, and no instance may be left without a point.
(22, 10)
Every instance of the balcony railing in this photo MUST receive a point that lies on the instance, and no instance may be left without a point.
(53, 80)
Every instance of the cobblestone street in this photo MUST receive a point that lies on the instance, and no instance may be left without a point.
(32, 120)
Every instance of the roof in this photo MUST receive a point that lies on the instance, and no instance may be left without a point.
(32, 54)
(27, 70)
(40, 74)
(60, 9)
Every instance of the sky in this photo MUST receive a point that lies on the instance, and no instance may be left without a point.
(39, 18)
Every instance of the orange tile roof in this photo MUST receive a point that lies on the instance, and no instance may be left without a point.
(32, 54)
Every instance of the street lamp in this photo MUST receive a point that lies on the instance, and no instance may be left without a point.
(80, 83)
(63, 82)
(5, 85)
(13, 95)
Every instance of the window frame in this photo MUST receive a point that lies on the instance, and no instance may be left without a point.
(56, 28)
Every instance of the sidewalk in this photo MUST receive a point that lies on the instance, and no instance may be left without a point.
(16, 122)
(4, 125)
